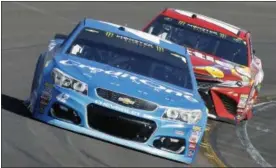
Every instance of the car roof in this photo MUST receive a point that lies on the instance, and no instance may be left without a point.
(136, 34)
(206, 22)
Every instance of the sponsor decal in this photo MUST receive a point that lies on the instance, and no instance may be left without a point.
(201, 29)
(239, 117)
(63, 97)
(118, 74)
(190, 98)
(231, 28)
(222, 35)
(117, 108)
(191, 153)
(109, 34)
(139, 43)
(239, 110)
(196, 132)
(243, 101)
(126, 101)
(194, 138)
(181, 22)
(48, 87)
(209, 58)
(192, 146)
(196, 128)
(46, 96)
(215, 72)
(159, 49)
(177, 132)
(43, 102)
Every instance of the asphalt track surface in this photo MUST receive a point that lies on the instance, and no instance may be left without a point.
(28, 26)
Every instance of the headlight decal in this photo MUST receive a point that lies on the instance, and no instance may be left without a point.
(63, 80)
(244, 72)
(188, 116)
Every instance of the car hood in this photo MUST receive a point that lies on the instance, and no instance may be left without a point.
(210, 67)
(98, 75)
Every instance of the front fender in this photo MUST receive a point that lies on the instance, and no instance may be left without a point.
(37, 72)
(260, 74)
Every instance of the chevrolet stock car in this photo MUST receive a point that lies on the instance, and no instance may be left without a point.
(228, 72)
(121, 85)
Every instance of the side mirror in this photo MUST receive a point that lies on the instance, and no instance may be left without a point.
(254, 51)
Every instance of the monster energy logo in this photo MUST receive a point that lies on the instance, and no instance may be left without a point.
(181, 23)
(159, 49)
(109, 34)
(238, 40)
(222, 35)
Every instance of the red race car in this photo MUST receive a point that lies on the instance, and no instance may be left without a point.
(228, 72)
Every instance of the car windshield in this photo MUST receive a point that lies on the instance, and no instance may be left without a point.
(198, 38)
(132, 55)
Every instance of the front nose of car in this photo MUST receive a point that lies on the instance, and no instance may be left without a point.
(140, 126)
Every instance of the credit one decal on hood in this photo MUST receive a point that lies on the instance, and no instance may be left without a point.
(135, 79)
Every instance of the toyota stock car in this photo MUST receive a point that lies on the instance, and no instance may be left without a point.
(121, 85)
(228, 73)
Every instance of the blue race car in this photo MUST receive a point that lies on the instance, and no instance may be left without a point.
(123, 86)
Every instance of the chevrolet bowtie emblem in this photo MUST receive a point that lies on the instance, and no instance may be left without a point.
(126, 101)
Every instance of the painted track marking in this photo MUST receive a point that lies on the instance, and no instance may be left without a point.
(245, 140)
(208, 151)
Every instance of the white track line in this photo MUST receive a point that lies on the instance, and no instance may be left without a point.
(245, 140)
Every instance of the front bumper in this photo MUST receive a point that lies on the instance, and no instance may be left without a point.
(150, 141)
(222, 102)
